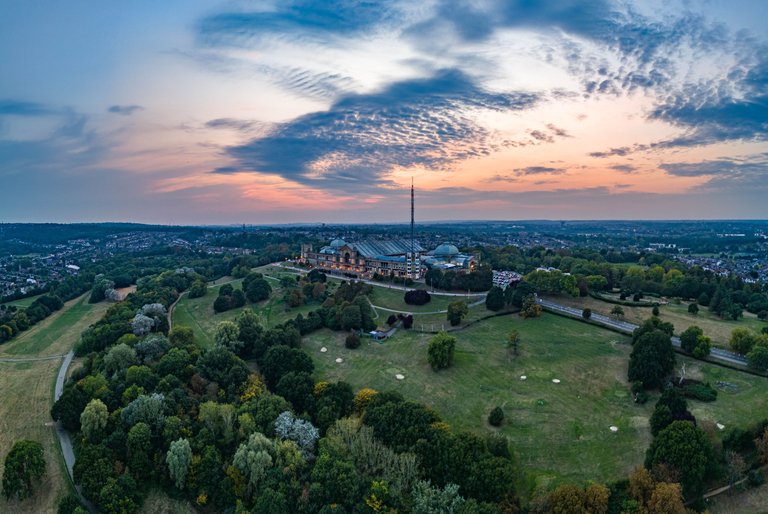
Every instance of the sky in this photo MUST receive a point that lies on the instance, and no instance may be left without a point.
(324, 111)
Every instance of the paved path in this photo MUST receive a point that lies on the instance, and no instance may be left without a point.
(717, 354)
(64, 440)
(31, 359)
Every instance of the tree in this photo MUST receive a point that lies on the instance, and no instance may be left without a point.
(494, 300)
(586, 313)
(496, 417)
(254, 458)
(139, 450)
(655, 310)
(303, 433)
(693, 308)
(428, 499)
(351, 318)
(666, 499)
(440, 351)
(142, 325)
(24, 465)
(652, 359)
(735, 466)
(689, 338)
(703, 347)
(758, 358)
(297, 388)
(257, 290)
(280, 360)
(742, 340)
(684, 448)
(596, 497)
(198, 289)
(352, 341)
(530, 308)
(179, 458)
(417, 297)
(94, 418)
(181, 336)
(456, 312)
(617, 312)
(228, 336)
(513, 341)
(119, 358)
(567, 499)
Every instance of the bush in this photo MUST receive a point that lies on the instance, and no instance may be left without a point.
(655, 310)
(417, 297)
(496, 417)
(391, 320)
(352, 341)
(586, 313)
(693, 308)
(701, 392)
(408, 321)
(755, 478)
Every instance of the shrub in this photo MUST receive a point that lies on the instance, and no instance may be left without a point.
(693, 308)
(352, 341)
(655, 310)
(586, 313)
(417, 297)
(391, 320)
(408, 321)
(701, 392)
(496, 417)
(755, 478)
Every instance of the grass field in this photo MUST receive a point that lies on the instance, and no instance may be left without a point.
(393, 299)
(24, 302)
(559, 432)
(28, 395)
(57, 333)
(718, 329)
(198, 314)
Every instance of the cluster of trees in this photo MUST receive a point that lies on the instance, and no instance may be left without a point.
(306, 289)
(652, 273)
(753, 345)
(24, 466)
(158, 410)
(229, 298)
(478, 280)
(405, 319)
(693, 341)
(417, 297)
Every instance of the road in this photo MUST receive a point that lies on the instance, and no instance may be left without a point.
(716, 354)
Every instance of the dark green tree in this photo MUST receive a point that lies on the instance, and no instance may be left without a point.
(686, 449)
(496, 417)
(652, 359)
(689, 338)
(24, 465)
(494, 301)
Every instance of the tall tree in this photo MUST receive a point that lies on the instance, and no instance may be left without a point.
(24, 465)
(179, 458)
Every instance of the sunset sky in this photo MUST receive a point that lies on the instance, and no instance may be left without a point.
(207, 112)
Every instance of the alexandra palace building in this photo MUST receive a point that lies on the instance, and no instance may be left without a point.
(398, 257)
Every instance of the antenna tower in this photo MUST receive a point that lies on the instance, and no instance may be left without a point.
(413, 256)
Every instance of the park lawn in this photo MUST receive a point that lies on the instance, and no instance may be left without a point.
(394, 299)
(23, 303)
(741, 398)
(59, 332)
(718, 329)
(198, 314)
(25, 414)
(558, 432)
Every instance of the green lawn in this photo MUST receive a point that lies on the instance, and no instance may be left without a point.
(23, 303)
(559, 432)
(59, 332)
(198, 314)
(393, 299)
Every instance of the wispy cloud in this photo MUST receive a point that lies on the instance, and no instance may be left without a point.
(124, 110)
(360, 138)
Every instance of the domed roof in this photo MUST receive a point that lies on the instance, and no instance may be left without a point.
(445, 250)
(337, 243)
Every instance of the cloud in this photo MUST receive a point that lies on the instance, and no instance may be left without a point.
(124, 110)
(621, 152)
(22, 108)
(748, 173)
(624, 168)
(305, 18)
(360, 138)
(539, 170)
